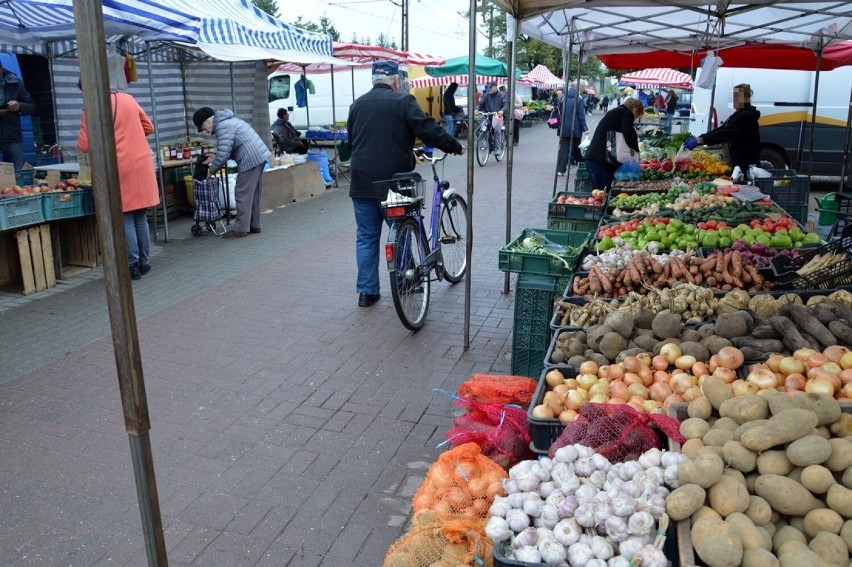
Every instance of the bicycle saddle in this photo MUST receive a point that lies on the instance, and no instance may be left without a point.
(408, 176)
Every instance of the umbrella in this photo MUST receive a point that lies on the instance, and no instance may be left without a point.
(461, 65)
(658, 77)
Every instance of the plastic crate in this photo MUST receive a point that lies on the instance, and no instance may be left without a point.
(24, 177)
(16, 212)
(836, 275)
(785, 186)
(555, 209)
(797, 211)
(529, 263)
(62, 205)
(556, 318)
(88, 201)
(544, 432)
(583, 185)
(531, 325)
(589, 226)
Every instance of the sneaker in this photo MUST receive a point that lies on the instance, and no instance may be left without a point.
(254, 230)
(234, 234)
(560, 173)
(135, 273)
(144, 269)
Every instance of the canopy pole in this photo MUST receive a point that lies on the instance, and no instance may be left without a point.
(304, 79)
(233, 93)
(468, 251)
(511, 123)
(845, 163)
(89, 28)
(573, 114)
(814, 114)
(334, 130)
(52, 72)
(158, 158)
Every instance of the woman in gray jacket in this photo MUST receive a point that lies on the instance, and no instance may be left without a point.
(237, 140)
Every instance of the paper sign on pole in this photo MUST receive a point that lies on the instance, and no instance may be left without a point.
(52, 179)
(7, 174)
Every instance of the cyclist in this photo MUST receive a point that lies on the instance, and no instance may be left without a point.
(494, 101)
(383, 125)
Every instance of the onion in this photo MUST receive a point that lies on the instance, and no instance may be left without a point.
(816, 360)
(835, 352)
(845, 391)
(763, 378)
(845, 376)
(725, 374)
(574, 399)
(553, 401)
(794, 382)
(587, 380)
(774, 362)
(820, 373)
(673, 399)
(820, 386)
(670, 352)
(572, 383)
(589, 367)
(682, 382)
(803, 354)
(730, 357)
(568, 416)
(692, 393)
(647, 376)
(636, 405)
(615, 372)
(713, 363)
(542, 412)
(599, 399)
(644, 358)
(685, 361)
(632, 378)
(650, 406)
(618, 390)
(602, 370)
(561, 389)
(599, 389)
(659, 362)
(832, 367)
(699, 369)
(554, 378)
(744, 387)
(790, 365)
(846, 360)
(659, 391)
(638, 391)
(631, 364)
(662, 376)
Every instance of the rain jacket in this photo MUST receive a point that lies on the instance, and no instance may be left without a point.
(742, 130)
(566, 128)
(10, 122)
(237, 140)
(619, 119)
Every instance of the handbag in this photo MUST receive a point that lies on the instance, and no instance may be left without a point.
(519, 113)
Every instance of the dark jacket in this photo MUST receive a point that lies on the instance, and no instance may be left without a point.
(619, 119)
(383, 126)
(10, 122)
(286, 136)
(742, 130)
(450, 102)
(493, 102)
(567, 129)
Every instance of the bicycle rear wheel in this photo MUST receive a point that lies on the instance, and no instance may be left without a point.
(499, 144)
(482, 149)
(453, 237)
(409, 278)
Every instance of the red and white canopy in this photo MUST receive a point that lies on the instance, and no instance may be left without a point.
(357, 52)
(460, 79)
(542, 76)
(652, 78)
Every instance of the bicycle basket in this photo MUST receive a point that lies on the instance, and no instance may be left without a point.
(398, 196)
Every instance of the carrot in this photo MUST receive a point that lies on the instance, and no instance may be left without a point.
(707, 265)
(737, 263)
(605, 282)
(756, 278)
(726, 264)
(656, 267)
(640, 266)
(711, 281)
(737, 283)
(698, 278)
(746, 277)
(634, 272)
(687, 275)
(720, 259)
(676, 271)
(594, 282)
(576, 287)
(693, 270)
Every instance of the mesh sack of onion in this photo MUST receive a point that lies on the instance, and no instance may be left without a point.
(501, 431)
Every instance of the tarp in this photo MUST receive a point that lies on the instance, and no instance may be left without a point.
(362, 53)
(460, 79)
(657, 77)
(542, 76)
(460, 65)
(764, 56)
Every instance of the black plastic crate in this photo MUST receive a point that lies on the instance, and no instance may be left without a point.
(583, 184)
(556, 319)
(785, 186)
(835, 275)
(531, 326)
(797, 211)
(558, 210)
(544, 432)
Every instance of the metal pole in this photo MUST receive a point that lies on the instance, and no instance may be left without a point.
(89, 27)
(304, 79)
(53, 98)
(233, 94)
(510, 131)
(403, 44)
(334, 129)
(157, 156)
(471, 82)
(573, 114)
(814, 114)
(844, 165)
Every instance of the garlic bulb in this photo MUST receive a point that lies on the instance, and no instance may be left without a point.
(515, 499)
(595, 562)
(566, 454)
(640, 523)
(567, 531)
(510, 485)
(669, 458)
(601, 548)
(568, 506)
(497, 529)
(597, 478)
(528, 483)
(585, 515)
(552, 552)
(532, 505)
(579, 554)
(650, 458)
(622, 505)
(546, 488)
(543, 534)
(528, 554)
(584, 452)
(556, 498)
(586, 493)
(499, 507)
(563, 473)
(517, 519)
(650, 556)
(629, 547)
(616, 529)
(526, 537)
(618, 561)
(656, 506)
(601, 463)
(549, 516)
(584, 467)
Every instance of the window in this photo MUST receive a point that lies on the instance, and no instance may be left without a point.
(279, 88)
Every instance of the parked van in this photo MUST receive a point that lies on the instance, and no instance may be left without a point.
(281, 86)
(785, 101)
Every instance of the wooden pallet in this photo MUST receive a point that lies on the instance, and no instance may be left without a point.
(26, 260)
(75, 246)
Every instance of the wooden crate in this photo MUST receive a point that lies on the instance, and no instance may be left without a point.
(26, 260)
(75, 246)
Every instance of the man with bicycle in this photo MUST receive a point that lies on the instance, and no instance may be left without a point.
(383, 125)
(494, 101)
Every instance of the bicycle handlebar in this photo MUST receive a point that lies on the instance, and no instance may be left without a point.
(426, 154)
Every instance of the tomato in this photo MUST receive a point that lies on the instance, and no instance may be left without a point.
(711, 224)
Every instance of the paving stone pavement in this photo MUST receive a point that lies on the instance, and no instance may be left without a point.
(289, 426)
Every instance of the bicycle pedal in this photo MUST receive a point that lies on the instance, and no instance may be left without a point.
(447, 239)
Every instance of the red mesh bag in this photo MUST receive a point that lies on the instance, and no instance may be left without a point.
(617, 431)
(499, 389)
(501, 431)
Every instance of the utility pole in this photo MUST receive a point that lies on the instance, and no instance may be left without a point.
(404, 42)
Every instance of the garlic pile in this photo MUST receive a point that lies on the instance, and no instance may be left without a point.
(579, 509)
(618, 257)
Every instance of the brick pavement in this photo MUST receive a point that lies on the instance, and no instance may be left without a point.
(289, 427)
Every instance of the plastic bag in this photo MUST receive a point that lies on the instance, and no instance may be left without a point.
(683, 160)
(617, 431)
(585, 143)
(629, 171)
(498, 389)
(501, 431)
(707, 74)
(434, 540)
(623, 152)
(496, 121)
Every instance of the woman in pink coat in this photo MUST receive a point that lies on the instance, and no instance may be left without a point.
(137, 178)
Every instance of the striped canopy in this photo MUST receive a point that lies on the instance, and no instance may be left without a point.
(652, 78)
(233, 29)
(363, 53)
(542, 76)
(460, 79)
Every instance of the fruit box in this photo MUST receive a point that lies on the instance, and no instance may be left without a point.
(19, 211)
(559, 210)
(512, 260)
(62, 204)
(836, 274)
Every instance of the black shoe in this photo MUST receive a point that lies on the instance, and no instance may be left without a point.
(135, 272)
(234, 234)
(367, 299)
(254, 230)
(144, 269)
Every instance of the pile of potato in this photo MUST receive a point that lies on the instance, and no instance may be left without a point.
(769, 481)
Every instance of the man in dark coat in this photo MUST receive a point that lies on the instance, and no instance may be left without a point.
(15, 102)
(741, 130)
(383, 126)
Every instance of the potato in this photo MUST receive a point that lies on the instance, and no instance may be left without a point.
(841, 455)
(694, 428)
(717, 543)
(768, 529)
(846, 534)
(822, 520)
(716, 391)
(823, 431)
(774, 462)
(846, 479)
(839, 499)
(808, 450)
(831, 549)
(712, 450)
(792, 547)
(739, 457)
(797, 522)
(825, 407)
(843, 426)
(758, 511)
(796, 474)
(736, 475)
(684, 501)
(738, 434)
(728, 496)
(705, 471)
(700, 408)
(691, 447)
(704, 512)
(817, 478)
(758, 557)
(726, 423)
(750, 480)
(717, 437)
(785, 495)
(786, 534)
(743, 409)
(783, 427)
(748, 531)
(799, 559)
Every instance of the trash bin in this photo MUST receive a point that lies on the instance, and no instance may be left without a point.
(827, 207)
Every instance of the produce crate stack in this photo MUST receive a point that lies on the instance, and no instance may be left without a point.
(578, 211)
(789, 190)
(531, 327)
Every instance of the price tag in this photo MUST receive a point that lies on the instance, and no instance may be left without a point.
(52, 179)
(7, 174)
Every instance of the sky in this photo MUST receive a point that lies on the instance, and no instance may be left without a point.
(435, 26)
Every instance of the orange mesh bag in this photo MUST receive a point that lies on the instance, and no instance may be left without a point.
(461, 485)
(501, 431)
(437, 542)
(499, 389)
(617, 431)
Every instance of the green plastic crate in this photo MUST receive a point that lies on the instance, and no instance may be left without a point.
(589, 226)
(531, 327)
(555, 209)
(88, 201)
(16, 212)
(539, 264)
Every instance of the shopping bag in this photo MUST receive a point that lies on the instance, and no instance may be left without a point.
(585, 143)
(519, 113)
(623, 152)
(497, 122)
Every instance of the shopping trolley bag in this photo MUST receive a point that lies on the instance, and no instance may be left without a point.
(206, 193)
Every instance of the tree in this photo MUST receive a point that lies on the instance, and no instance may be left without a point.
(385, 41)
(268, 6)
(324, 26)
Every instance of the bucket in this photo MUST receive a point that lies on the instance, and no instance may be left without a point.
(321, 159)
(827, 207)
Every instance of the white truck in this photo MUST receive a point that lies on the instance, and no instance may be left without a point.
(281, 87)
(785, 101)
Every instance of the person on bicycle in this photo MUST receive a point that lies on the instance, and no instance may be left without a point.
(383, 125)
(494, 101)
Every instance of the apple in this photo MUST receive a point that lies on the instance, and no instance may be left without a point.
(7, 191)
(18, 190)
(61, 185)
(44, 189)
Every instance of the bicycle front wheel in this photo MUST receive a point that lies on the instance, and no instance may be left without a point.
(409, 276)
(454, 237)
(499, 144)
(482, 149)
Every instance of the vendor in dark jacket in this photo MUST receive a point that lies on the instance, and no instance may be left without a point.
(619, 119)
(15, 102)
(383, 126)
(741, 130)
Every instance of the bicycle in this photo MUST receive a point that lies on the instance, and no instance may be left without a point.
(413, 254)
(489, 139)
